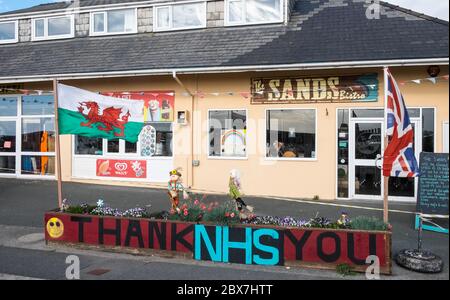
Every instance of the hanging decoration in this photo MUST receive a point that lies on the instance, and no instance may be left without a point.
(243, 94)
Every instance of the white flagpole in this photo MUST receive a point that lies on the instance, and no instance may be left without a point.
(57, 144)
(386, 140)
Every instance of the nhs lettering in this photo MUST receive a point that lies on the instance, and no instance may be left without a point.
(259, 246)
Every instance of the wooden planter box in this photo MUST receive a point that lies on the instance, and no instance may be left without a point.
(246, 244)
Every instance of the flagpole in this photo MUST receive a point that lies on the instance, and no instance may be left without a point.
(57, 144)
(386, 141)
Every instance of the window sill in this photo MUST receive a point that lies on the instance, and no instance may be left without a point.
(290, 159)
(62, 37)
(178, 29)
(6, 42)
(93, 34)
(227, 158)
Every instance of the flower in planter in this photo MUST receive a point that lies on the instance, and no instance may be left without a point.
(232, 215)
(185, 212)
(202, 206)
(196, 202)
(100, 203)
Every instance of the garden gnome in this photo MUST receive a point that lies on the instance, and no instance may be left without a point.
(175, 187)
(235, 193)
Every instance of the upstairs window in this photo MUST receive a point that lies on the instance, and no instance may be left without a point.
(53, 28)
(180, 16)
(121, 21)
(8, 32)
(242, 12)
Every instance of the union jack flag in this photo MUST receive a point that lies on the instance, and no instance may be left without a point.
(399, 158)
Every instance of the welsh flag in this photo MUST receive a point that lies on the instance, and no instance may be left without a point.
(92, 115)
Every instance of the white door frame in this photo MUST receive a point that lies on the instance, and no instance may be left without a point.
(353, 163)
(417, 149)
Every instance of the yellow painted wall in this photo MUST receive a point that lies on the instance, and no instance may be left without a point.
(299, 179)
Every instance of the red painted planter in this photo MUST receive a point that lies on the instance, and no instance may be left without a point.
(309, 247)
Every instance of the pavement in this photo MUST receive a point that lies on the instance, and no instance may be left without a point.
(24, 255)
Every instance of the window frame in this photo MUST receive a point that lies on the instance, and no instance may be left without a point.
(208, 135)
(170, 7)
(105, 32)
(244, 14)
(18, 153)
(122, 154)
(311, 159)
(16, 32)
(52, 37)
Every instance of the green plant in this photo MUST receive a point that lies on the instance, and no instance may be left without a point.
(190, 211)
(368, 223)
(224, 214)
(80, 209)
(345, 270)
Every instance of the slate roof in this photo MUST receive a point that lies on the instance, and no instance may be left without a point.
(319, 31)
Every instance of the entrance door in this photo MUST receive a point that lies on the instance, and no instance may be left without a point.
(7, 147)
(406, 188)
(366, 146)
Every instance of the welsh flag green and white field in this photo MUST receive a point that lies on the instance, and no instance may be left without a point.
(92, 115)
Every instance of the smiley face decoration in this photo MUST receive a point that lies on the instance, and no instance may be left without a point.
(55, 228)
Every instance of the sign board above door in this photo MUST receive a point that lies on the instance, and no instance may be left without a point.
(297, 90)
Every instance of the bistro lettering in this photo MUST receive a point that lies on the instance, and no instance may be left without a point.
(333, 88)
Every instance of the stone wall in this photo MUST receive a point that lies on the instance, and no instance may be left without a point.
(24, 30)
(145, 20)
(82, 25)
(215, 13)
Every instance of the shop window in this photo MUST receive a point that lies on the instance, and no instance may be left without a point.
(8, 32)
(291, 134)
(114, 22)
(7, 164)
(38, 135)
(53, 28)
(240, 12)
(8, 107)
(38, 165)
(7, 136)
(180, 16)
(88, 146)
(156, 140)
(342, 155)
(38, 105)
(428, 129)
(227, 133)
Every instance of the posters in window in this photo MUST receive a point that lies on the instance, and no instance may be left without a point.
(158, 105)
(233, 142)
(121, 168)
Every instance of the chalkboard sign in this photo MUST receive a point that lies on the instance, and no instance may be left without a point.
(433, 184)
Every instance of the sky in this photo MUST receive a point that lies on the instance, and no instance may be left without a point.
(435, 8)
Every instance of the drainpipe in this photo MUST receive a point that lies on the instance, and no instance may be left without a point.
(191, 166)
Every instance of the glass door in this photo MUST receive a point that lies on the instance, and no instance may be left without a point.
(7, 147)
(366, 146)
(406, 188)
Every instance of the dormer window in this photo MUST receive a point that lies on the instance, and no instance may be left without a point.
(180, 16)
(122, 21)
(246, 12)
(8, 32)
(61, 27)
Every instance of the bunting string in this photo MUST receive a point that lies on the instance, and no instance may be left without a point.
(244, 94)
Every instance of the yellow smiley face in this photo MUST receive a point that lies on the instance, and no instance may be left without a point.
(55, 228)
